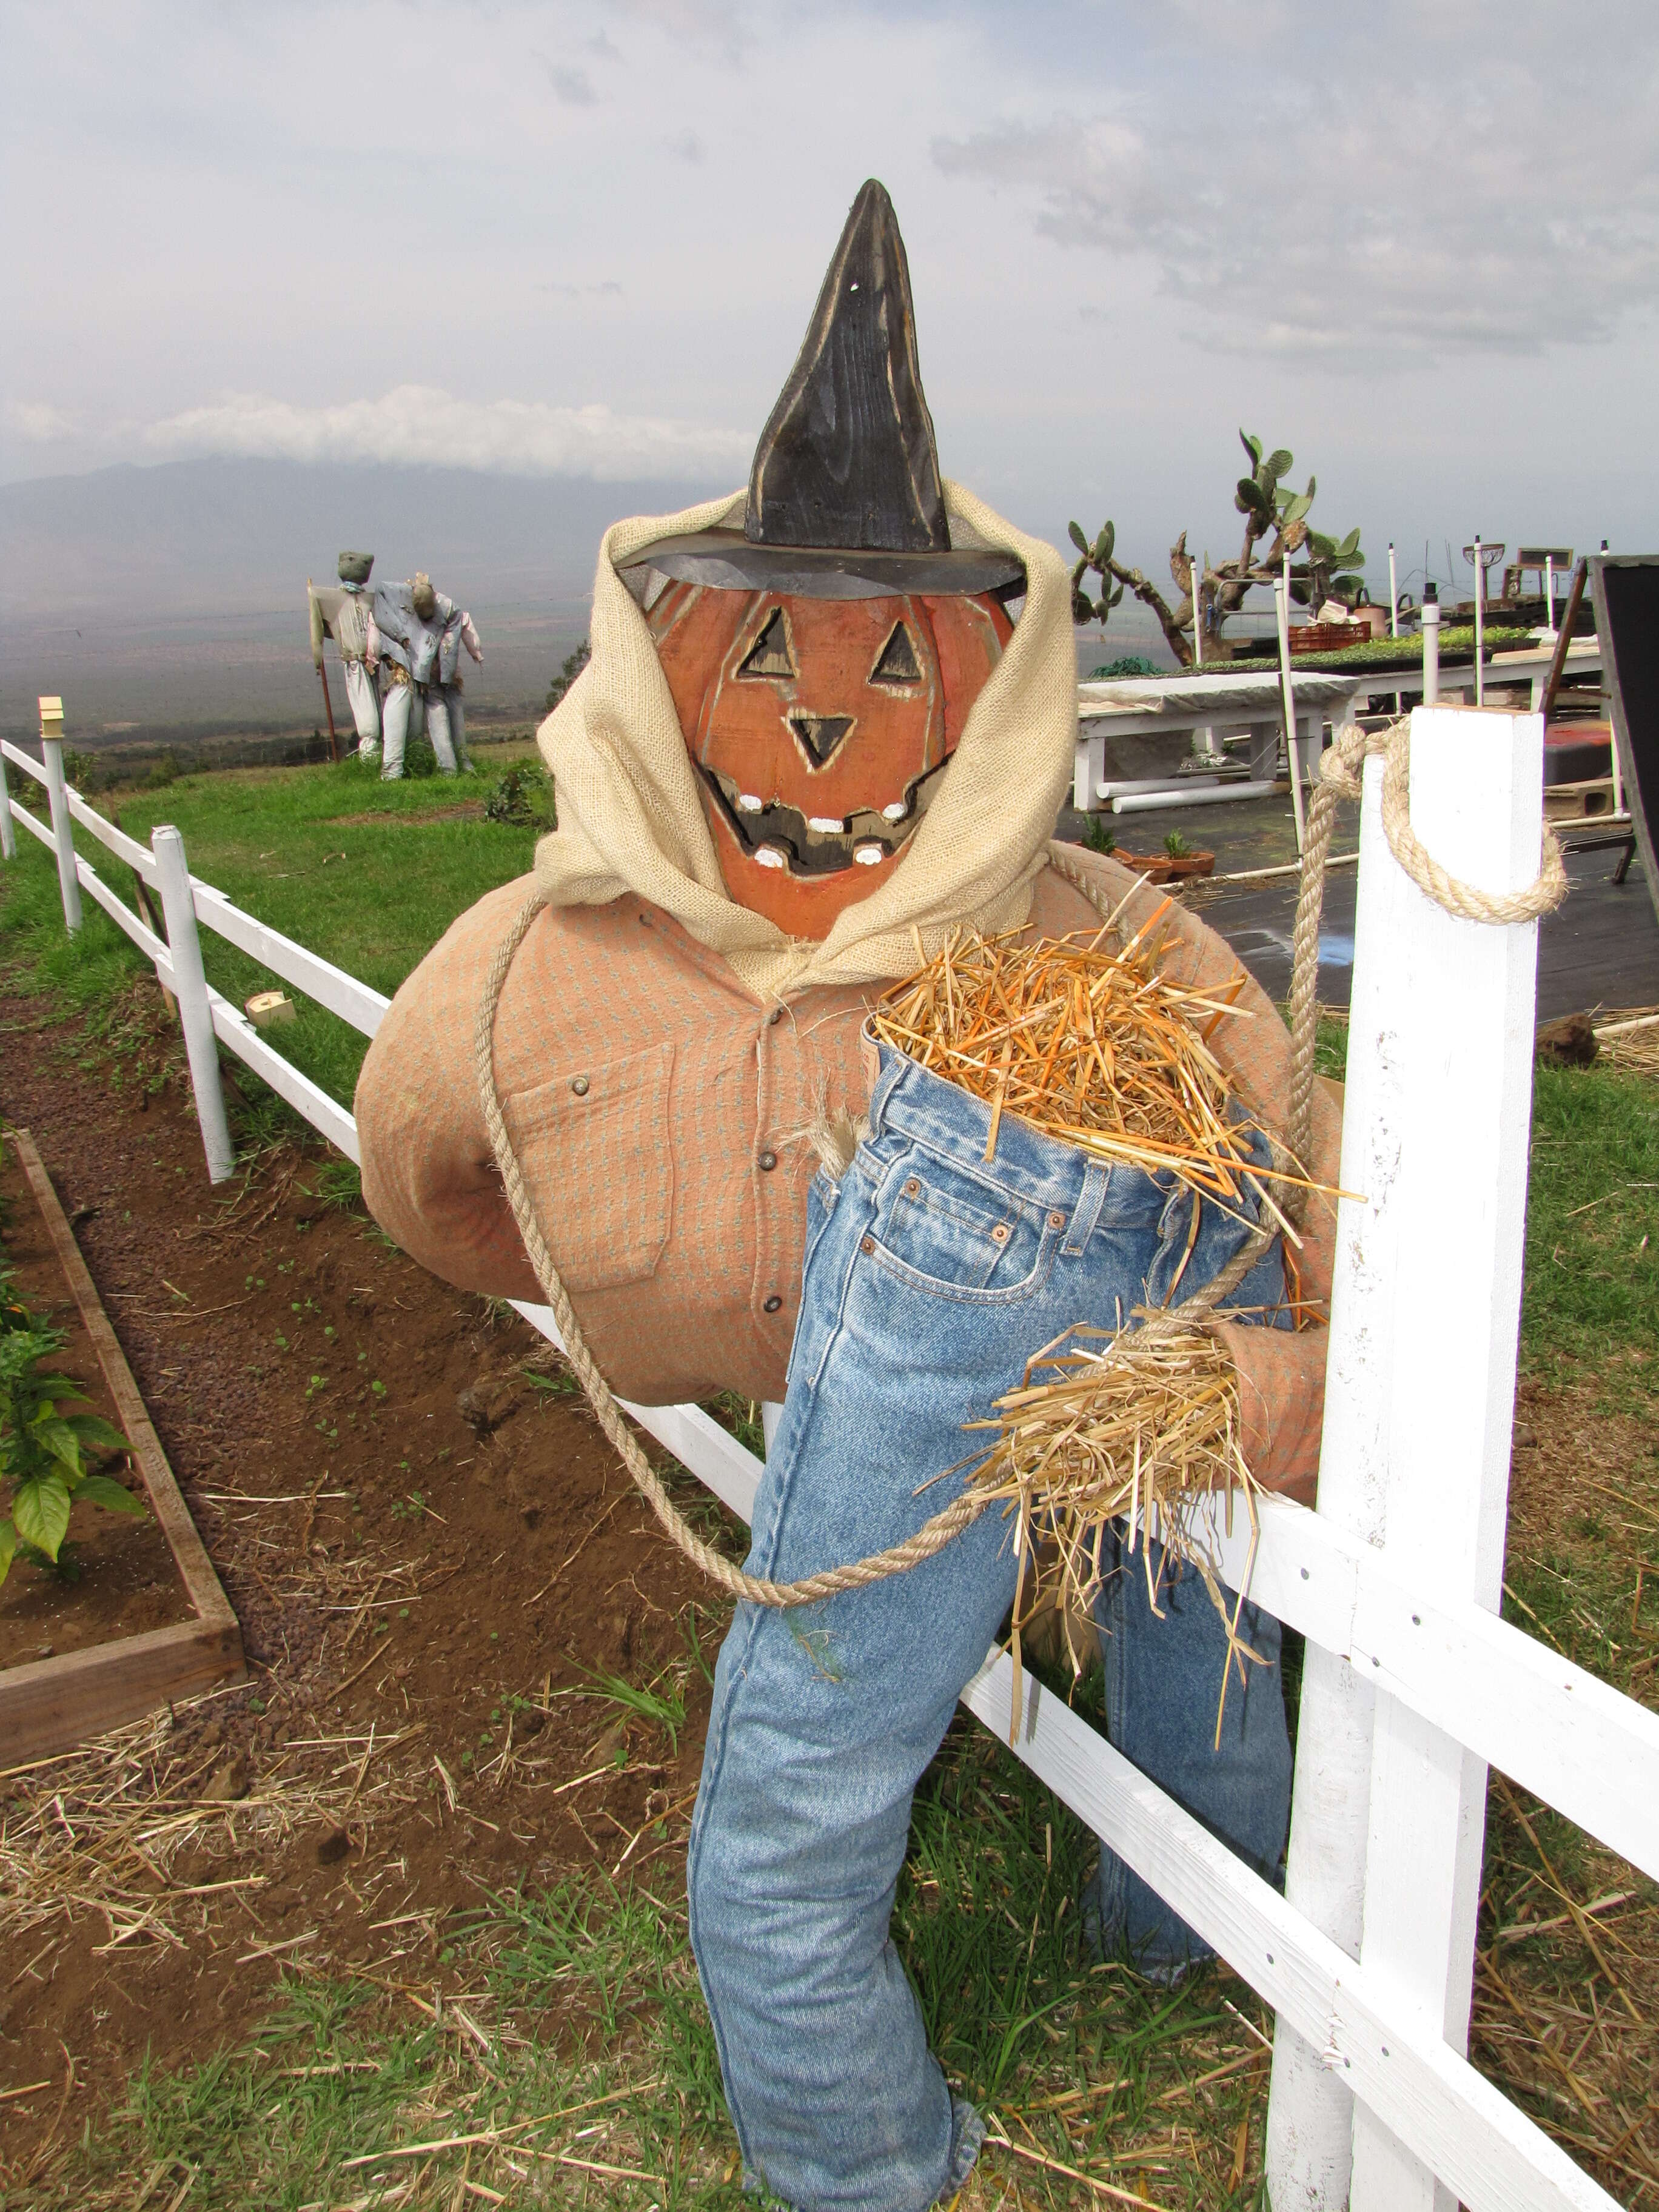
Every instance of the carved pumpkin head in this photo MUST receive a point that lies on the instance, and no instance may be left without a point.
(819, 728)
(823, 659)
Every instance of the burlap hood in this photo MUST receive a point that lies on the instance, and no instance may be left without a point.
(630, 817)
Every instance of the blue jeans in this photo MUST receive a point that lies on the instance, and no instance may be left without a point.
(1162, 1689)
(930, 1278)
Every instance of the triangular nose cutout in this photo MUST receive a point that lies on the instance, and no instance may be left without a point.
(820, 733)
(769, 655)
(897, 661)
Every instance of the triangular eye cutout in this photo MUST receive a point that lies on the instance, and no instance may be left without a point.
(770, 654)
(896, 662)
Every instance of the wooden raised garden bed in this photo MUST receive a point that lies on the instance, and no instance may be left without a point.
(137, 1570)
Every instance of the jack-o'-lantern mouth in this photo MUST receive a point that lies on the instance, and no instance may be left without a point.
(778, 836)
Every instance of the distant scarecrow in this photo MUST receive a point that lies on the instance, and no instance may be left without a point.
(825, 733)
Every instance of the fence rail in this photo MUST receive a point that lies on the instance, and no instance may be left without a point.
(1374, 2101)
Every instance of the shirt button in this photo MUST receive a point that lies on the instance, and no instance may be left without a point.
(1000, 1234)
(579, 1084)
(771, 1304)
(769, 1161)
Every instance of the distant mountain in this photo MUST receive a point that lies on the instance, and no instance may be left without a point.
(174, 597)
(209, 534)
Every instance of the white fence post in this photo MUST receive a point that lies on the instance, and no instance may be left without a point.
(1477, 804)
(1386, 1833)
(190, 986)
(1310, 2113)
(62, 829)
(8, 835)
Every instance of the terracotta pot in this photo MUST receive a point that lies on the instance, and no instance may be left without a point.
(1159, 868)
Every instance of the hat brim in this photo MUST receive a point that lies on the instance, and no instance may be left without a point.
(731, 562)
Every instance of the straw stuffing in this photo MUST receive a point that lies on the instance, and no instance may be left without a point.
(1141, 1424)
(1090, 1045)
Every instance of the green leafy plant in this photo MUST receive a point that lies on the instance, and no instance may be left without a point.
(522, 794)
(43, 1449)
(1096, 836)
(1331, 568)
(1177, 846)
(569, 669)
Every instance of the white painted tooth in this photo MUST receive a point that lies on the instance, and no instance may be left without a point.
(896, 811)
(869, 856)
(832, 823)
(749, 804)
(771, 856)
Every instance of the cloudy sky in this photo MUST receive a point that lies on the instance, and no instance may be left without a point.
(1418, 243)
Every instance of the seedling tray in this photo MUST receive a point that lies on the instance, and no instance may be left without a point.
(49, 1705)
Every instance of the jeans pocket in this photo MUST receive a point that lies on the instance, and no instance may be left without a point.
(951, 1235)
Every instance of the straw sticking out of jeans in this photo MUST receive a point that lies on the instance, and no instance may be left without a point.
(1091, 1046)
(1142, 1424)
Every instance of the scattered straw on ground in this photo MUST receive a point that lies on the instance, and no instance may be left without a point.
(1629, 1039)
(103, 1830)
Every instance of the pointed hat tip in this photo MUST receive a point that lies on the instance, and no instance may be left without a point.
(848, 457)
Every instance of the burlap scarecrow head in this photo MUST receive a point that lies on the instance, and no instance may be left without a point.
(822, 659)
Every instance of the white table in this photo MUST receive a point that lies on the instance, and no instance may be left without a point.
(1186, 718)
(1193, 715)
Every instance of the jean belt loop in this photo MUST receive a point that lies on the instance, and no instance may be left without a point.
(885, 1084)
(1089, 1200)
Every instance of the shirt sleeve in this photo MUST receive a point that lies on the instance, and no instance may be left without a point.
(371, 639)
(429, 1173)
(470, 638)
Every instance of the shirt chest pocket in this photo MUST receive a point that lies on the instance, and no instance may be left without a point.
(594, 1146)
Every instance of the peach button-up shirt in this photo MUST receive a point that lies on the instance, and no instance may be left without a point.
(659, 1114)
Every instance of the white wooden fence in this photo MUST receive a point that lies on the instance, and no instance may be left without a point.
(1413, 1684)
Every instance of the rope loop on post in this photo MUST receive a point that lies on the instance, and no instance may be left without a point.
(1338, 776)
(1340, 768)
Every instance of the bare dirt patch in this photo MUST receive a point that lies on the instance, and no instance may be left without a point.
(466, 810)
(395, 1511)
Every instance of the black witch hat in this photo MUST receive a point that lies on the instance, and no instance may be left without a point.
(844, 494)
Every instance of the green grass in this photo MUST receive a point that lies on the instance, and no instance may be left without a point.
(336, 2075)
(1592, 1223)
(368, 874)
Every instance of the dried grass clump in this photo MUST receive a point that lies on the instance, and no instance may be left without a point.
(1092, 1046)
(1142, 1424)
(1630, 1041)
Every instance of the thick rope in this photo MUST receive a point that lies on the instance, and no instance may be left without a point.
(1338, 773)
(1338, 776)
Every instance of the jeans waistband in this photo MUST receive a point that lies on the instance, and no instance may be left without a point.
(911, 1102)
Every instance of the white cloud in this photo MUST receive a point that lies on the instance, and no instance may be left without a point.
(38, 423)
(416, 425)
(1407, 192)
